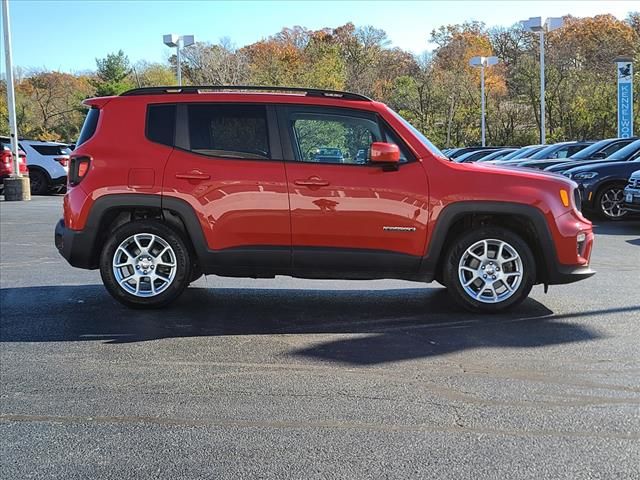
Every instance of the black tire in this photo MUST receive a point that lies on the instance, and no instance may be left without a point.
(612, 189)
(39, 182)
(467, 240)
(183, 263)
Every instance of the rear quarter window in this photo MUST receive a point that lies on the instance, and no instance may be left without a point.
(89, 126)
(161, 124)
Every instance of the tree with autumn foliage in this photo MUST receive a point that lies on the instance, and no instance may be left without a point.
(437, 91)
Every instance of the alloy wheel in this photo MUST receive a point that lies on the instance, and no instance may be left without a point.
(144, 265)
(611, 202)
(490, 271)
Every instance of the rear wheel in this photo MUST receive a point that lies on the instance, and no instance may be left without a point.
(145, 264)
(38, 182)
(489, 270)
(609, 202)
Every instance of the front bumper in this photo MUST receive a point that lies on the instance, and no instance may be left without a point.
(75, 246)
(573, 239)
(561, 274)
(587, 195)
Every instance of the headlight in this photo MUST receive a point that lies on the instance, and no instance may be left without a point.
(584, 175)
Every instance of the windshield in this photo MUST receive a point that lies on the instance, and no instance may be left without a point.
(524, 152)
(626, 152)
(516, 152)
(586, 153)
(427, 143)
(497, 155)
(545, 152)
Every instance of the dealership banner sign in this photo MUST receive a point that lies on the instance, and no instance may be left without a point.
(625, 99)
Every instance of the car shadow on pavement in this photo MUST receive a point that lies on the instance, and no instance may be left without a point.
(397, 324)
(621, 227)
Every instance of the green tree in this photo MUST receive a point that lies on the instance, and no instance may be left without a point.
(113, 75)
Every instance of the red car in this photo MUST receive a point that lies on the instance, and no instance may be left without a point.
(167, 184)
(6, 161)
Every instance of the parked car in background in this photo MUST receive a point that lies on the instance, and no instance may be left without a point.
(48, 164)
(457, 152)
(624, 154)
(6, 161)
(632, 193)
(475, 155)
(597, 151)
(328, 155)
(601, 187)
(557, 150)
(497, 155)
(523, 152)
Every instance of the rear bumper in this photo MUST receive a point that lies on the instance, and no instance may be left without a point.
(74, 245)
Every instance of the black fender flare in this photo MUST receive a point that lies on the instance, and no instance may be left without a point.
(86, 241)
(455, 211)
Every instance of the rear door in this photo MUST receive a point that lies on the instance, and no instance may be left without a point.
(348, 215)
(228, 166)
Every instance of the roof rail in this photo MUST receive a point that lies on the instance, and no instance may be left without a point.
(310, 92)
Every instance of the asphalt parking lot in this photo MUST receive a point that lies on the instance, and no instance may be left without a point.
(303, 379)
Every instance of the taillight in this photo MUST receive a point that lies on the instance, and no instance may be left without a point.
(64, 161)
(78, 169)
(22, 164)
(6, 165)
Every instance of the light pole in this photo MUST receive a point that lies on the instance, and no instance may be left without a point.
(483, 62)
(534, 24)
(178, 41)
(16, 187)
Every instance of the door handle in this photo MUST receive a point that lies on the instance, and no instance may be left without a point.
(312, 182)
(193, 175)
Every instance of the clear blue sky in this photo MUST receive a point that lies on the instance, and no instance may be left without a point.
(69, 35)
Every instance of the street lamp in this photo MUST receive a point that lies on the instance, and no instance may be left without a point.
(534, 24)
(178, 41)
(483, 62)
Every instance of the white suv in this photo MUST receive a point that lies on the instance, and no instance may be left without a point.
(48, 164)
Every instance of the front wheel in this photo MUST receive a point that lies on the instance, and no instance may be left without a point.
(489, 270)
(609, 202)
(145, 264)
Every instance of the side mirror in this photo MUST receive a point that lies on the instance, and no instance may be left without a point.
(385, 154)
(599, 155)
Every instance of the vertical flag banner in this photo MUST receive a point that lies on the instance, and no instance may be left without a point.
(625, 99)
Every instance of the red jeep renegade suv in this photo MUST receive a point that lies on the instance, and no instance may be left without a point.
(167, 184)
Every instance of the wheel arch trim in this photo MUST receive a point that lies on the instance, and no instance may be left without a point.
(454, 212)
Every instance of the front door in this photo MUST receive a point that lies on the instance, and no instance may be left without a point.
(229, 168)
(347, 214)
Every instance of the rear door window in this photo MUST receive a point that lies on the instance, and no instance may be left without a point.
(231, 131)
